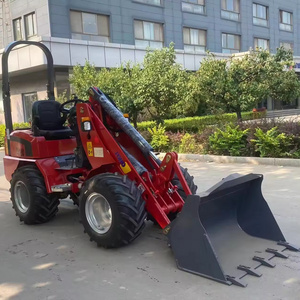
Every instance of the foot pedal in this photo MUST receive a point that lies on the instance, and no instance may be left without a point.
(249, 271)
(276, 253)
(263, 261)
(289, 246)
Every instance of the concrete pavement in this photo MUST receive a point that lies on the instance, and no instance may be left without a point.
(56, 260)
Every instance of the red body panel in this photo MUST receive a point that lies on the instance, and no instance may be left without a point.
(25, 145)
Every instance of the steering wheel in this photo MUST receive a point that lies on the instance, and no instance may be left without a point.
(65, 110)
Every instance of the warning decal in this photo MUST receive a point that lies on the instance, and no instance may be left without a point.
(89, 146)
(98, 152)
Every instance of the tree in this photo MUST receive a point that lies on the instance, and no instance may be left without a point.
(240, 83)
(162, 84)
(118, 83)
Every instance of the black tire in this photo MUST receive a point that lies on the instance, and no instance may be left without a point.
(190, 181)
(29, 196)
(127, 210)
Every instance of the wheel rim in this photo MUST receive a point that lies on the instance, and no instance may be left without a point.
(22, 197)
(98, 213)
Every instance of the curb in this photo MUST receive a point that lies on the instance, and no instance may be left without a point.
(286, 162)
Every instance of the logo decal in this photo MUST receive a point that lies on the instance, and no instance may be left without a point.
(123, 164)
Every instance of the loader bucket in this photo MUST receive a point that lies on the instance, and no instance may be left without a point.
(227, 232)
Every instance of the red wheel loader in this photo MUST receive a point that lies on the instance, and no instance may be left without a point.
(106, 167)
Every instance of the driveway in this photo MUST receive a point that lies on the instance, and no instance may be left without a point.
(56, 260)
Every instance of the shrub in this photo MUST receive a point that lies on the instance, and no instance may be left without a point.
(2, 134)
(159, 141)
(232, 141)
(196, 124)
(271, 143)
(188, 144)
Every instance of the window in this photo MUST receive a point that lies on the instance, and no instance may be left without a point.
(231, 9)
(287, 45)
(153, 2)
(194, 40)
(89, 27)
(30, 26)
(260, 15)
(261, 43)
(286, 20)
(28, 100)
(231, 43)
(194, 6)
(17, 29)
(148, 34)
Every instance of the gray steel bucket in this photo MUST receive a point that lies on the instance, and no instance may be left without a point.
(227, 232)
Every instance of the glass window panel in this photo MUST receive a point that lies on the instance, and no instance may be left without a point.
(17, 29)
(28, 100)
(158, 32)
(199, 49)
(148, 31)
(287, 46)
(194, 36)
(202, 37)
(186, 36)
(224, 40)
(76, 21)
(30, 25)
(142, 43)
(103, 25)
(138, 30)
(156, 45)
(188, 48)
(223, 4)
(230, 41)
(89, 23)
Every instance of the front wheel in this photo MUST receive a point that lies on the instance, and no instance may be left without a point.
(112, 210)
(29, 196)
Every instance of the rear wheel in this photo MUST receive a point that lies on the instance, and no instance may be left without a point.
(29, 196)
(112, 210)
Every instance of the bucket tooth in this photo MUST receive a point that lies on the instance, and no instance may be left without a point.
(249, 271)
(235, 281)
(276, 253)
(264, 262)
(289, 246)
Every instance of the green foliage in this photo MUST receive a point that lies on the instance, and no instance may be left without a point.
(196, 124)
(61, 98)
(271, 143)
(162, 85)
(241, 82)
(159, 139)
(188, 144)
(232, 141)
(2, 134)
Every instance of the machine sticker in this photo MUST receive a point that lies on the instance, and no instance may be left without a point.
(89, 146)
(98, 152)
(123, 164)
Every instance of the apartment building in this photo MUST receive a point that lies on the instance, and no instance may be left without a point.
(109, 32)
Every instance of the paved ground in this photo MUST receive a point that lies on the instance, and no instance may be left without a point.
(57, 261)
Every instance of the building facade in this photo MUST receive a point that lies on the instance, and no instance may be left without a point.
(108, 32)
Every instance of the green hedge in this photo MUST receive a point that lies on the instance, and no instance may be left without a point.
(194, 124)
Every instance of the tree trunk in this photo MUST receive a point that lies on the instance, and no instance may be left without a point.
(239, 114)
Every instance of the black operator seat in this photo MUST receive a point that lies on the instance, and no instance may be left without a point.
(48, 121)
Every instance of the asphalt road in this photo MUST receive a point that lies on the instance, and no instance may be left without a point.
(56, 260)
